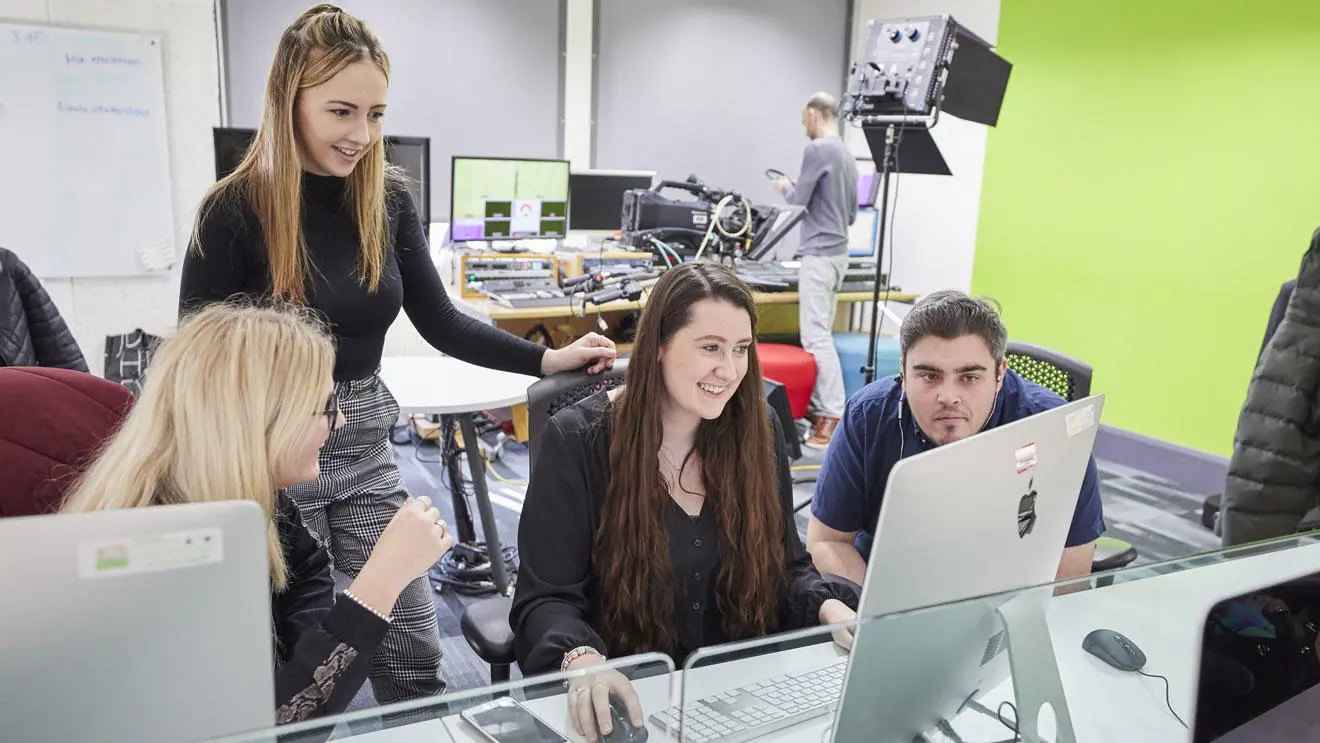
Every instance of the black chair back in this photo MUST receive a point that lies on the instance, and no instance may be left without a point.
(1058, 372)
(557, 391)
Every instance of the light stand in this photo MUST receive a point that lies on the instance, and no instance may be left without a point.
(911, 70)
(878, 250)
(920, 156)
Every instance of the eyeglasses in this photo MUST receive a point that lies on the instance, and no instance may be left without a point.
(331, 411)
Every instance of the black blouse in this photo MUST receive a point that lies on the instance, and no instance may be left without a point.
(323, 642)
(553, 603)
(233, 261)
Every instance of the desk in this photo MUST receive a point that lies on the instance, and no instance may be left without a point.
(499, 313)
(1163, 615)
(448, 386)
(1162, 612)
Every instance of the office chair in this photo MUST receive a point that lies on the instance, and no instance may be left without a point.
(1070, 379)
(54, 422)
(485, 624)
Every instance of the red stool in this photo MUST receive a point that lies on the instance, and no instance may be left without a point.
(792, 367)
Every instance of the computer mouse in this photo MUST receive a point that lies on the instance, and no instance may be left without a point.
(623, 730)
(1114, 649)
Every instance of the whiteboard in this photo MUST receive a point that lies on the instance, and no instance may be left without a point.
(84, 156)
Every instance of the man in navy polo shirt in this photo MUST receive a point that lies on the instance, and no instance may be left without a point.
(955, 383)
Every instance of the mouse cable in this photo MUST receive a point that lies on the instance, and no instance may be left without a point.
(998, 715)
(946, 729)
(1167, 700)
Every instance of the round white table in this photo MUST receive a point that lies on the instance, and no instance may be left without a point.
(447, 386)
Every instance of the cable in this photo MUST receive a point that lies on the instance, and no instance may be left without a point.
(672, 251)
(662, 247)
(716, 222)
(466, 569)
(802, 467)
(999, 715)
(1167, 697)
(501, 478)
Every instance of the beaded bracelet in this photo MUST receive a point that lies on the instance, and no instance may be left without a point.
(364, 605)
(576, 653)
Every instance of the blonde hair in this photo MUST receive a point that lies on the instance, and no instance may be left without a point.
(314, 48)
(226, 400)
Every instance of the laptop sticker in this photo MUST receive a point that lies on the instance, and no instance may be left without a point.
(1080, 420)
(150, 554)
(1026, 458)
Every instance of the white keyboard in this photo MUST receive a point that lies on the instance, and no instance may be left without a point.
(756, 709)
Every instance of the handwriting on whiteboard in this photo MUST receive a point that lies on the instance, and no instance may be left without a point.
(34, 36)
(135, 112)
(101, 59)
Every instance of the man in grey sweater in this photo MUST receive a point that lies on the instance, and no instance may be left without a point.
(827, 186)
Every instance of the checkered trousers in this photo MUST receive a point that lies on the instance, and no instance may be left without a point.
(348, 507)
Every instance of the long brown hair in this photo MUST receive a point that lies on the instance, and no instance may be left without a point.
(738, 469)
(314, 48)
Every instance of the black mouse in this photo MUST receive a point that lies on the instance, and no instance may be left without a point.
(1114, 649)
(623, 730)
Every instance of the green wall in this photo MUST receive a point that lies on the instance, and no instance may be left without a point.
(1154, 178)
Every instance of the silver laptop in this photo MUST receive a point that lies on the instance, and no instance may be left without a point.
(146, 624)
(981, 516)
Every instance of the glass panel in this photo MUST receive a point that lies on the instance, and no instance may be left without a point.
(1099, 658)
(534, 710)
(956, 671)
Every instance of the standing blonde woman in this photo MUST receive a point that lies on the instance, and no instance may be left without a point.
(314, 215)
(237, 406)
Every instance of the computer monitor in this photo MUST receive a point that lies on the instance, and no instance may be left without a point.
(412, 154)
(978, 517)
(868, 183)
(231, 145)
(494, 198)
(595, 197)
(1243, 692)
(143, 624)
(861, 234)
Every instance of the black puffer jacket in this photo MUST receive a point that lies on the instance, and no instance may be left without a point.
(1274, 476)
(32, 333)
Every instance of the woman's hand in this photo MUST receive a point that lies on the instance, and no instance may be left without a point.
(414, 540)
(593, 350)
(834, 611)
(589, 698)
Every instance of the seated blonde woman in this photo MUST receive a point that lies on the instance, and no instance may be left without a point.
(237, 406)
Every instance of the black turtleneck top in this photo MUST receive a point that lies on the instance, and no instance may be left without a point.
(230, 259)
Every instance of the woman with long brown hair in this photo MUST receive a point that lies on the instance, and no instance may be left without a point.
(314, 215)
(659, 515)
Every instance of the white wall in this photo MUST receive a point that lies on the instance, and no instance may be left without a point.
(934, 221)
(95, 308)
(578, 82)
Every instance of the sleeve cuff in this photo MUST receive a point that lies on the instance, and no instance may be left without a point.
(354, 625)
